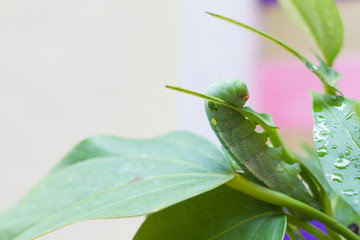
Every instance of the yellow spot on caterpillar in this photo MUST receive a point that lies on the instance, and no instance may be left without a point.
(233, 134)
(261, 164)
(213, 121)
(226, 124)
(245, 148)
(280, 180)
(225, 112)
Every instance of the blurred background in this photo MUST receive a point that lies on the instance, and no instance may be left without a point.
(73, 69)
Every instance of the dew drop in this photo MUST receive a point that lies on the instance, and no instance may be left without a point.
(341, 163)
(279, 168)
(348, 146)
(336, 177)
(347, 152)
(334, 146)
(349, 115)
(324, 133)
(322, 151)
(349, 192)
(322, 154)
(357, 177)
(341, 107)
(341, 155)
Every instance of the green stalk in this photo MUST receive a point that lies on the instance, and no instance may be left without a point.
(307, 227)
(290, 233)
(276, 141)
(328, 89)
(325, 203)
(254, 190)
(298, 233)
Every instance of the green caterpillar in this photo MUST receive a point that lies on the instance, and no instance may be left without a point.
(249, 148)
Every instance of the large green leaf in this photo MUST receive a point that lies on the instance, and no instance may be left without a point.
(110, 177)
(312, 165)
(320, 19)
(222, 213)
(337, 141)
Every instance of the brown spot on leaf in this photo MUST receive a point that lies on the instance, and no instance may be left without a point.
(136, 179)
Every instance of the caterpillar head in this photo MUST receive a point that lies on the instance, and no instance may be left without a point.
(232, 91)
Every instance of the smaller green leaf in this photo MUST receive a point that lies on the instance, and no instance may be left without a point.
(262, 119)
(331, 77)
(222, 213)
(321, 20)
(328, 76)
(337, 142)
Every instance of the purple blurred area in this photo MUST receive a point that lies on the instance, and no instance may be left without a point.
(306, 235)
(268, 1)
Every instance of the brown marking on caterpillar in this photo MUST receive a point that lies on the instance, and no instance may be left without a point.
(245, 148)
(261, 164)
(233, 134)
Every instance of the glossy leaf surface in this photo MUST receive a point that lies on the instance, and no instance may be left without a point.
(222, 213)
(111, 177)
(321, 20)
(337, 142)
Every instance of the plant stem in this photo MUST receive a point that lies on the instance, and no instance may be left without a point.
(276, 141)
(325, 203)
(254, 190)
(328, 90)
(307, 227)
(290, 233)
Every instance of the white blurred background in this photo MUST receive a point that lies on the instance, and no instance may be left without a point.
(73, 69)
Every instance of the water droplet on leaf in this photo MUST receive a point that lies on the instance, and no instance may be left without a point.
(279, 168)
(349, 192)
(336, 177)
(341, 163)
(349, 115)
(322, 151)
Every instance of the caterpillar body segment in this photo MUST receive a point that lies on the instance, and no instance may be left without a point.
(249, 148)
